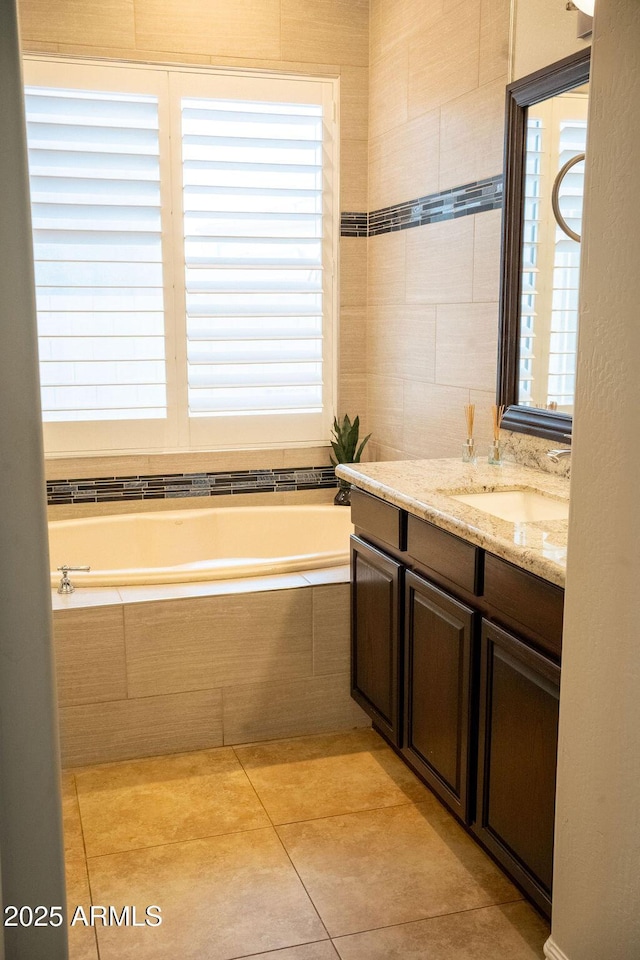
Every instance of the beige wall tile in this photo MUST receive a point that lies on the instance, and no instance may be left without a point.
(353, 345)
(494, 40)
(354, 101)
(38, 46)
(385, 407)
(290, 708)
(486, 255)
(278, 65)
(444, 59)
(307, 456)
(216, 641)
(100, 22)
(353, 176)
(89, 653)
(467, 344)
(331, 629)
(352, 398)
(394, 20)
(439, 262)
(353, 271)
(98, 49)
(326, 30)
(382, 452)
(472, 136)
(404, 163)
(387, 259)
(389, 90)
(229, 27)
(122, 729)
(401, 340)
(434, 420)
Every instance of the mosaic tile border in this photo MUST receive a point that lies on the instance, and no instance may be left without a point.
(477, 197)
(176, 485)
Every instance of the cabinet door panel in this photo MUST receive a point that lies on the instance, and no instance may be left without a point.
(375, 645)
(438, 644)
(517, 762)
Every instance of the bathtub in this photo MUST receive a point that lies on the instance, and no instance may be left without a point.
(182, 546)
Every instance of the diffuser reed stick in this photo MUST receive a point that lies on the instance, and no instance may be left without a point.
(498, 413)
(469, 413)
(469, 447)
(495, 451)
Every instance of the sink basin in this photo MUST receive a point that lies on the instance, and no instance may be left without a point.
(517, 506)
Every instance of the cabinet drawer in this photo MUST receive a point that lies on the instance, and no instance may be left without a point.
(530, 605)
(445, 554)
(379, 519)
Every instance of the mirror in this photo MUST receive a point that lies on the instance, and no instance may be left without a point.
(546, 129)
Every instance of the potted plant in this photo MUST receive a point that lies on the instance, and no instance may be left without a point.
(345, 447)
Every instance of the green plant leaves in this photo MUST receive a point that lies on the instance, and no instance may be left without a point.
(345, 442)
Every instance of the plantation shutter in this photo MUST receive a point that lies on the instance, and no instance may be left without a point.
(95, 191)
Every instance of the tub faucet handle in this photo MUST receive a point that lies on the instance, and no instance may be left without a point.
(65, 584)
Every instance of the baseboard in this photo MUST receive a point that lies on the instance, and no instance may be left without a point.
(553, 952)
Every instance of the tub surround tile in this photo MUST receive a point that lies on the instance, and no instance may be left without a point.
(84, 597)
(331, 633)
(89, 654)
(316, 777)
(512, 930)
(289, 708)
(486, 257)
(422, 488)
(326, 30)
(222, 898)
(176, 486)
(217, 642)
(390, 866)
(122, 729)
(472, 135)
(146, 803)
(211, 588)
(110, 23)
(439, 266)
(326, 575)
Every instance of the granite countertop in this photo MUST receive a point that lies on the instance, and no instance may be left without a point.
(425, 488)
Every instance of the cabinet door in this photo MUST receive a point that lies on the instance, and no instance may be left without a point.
(375, 637)
(438, 687)
(519, 694)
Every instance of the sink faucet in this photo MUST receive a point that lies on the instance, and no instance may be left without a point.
(556, 455)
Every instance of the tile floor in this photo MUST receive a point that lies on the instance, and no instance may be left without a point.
(316, 848)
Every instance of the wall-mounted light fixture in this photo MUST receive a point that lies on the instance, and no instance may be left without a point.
(585, 5)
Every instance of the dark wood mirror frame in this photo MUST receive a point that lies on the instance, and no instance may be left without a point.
(557, 78)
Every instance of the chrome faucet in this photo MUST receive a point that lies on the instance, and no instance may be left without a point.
(556, 455)
(65, 584)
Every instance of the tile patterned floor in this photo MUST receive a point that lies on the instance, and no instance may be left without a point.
(318, 848)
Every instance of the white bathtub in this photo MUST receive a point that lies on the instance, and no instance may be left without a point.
(181, 546)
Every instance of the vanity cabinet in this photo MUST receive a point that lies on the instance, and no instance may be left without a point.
(375, 631)
(518, 729)
(439, 646)
(455, 657)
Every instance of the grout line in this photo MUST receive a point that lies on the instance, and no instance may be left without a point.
(350, 813)
(294, 946)
(304, 886)
(434, 916)
(174, 843)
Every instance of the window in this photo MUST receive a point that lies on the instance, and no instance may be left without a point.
(184, 240)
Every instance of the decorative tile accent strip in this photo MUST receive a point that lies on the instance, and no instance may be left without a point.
(354, 225)
(478, 197)
(174, 485)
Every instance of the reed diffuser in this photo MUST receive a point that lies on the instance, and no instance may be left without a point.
(495, 450)
(469, 446)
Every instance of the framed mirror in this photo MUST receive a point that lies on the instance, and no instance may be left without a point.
(546, 126)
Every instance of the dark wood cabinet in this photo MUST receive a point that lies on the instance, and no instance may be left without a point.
(518, 738)
(376, 588)
(470, 706)
(439, 639)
